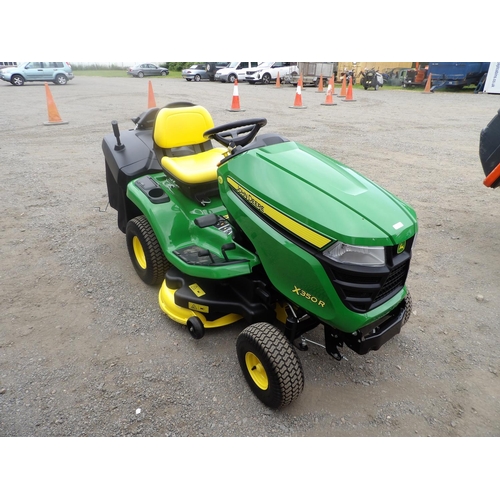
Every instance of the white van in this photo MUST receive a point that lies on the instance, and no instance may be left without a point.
(234, 71)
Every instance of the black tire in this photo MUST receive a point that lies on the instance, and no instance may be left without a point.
(17, 80)
(197, 78)
(270, 365)
(145, 251)
(164, 73)
(231, 78)
(195, 327)
(409, 307)
(266, 78)
(140, 74)
(60, 80)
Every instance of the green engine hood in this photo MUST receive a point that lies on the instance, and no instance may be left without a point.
(317, 198)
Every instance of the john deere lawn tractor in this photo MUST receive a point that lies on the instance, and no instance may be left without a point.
(261, 230)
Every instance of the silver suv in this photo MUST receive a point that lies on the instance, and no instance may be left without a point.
(57, 72)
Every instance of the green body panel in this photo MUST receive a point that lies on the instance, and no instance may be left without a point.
(298, 275)
(324, 195)
(174, 227)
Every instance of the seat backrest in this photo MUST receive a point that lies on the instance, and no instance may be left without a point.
(181, 126)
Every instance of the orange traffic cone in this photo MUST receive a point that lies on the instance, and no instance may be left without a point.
(348, 97)
(235, 104)
(278, 81)
(151, 96)
(332, 83)
(320, 84)
(427, 89)
(329, 96)
(343, 89)
(54, 117)
(298, 96)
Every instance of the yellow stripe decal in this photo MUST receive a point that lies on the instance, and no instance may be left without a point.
(303, 232)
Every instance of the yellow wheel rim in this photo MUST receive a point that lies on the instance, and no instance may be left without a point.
(139, 252)
(256, 370)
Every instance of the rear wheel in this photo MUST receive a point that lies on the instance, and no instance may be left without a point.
(60, 80)
(145, 251)
(270, 365)
(231, 78)
(17, 80)
(140, 74)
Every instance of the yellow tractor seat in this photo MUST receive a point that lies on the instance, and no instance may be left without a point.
(183, 152)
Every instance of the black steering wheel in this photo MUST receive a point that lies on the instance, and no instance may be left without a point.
(230, 134)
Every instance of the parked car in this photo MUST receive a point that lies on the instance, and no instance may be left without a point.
(7, 64)
(267, 72)
(147, 69)
(57, 72)
(195, 72)
(234, 71)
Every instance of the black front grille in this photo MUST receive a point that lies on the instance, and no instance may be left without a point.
(394, 282)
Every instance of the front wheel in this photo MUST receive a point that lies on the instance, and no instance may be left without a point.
(409, 307)
(197, 78)
(163, 73)
(270, 365)
(17, 80)
(195, 327)
(145, 251)
(266, 78)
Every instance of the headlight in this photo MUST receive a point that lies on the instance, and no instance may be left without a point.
(357, 255)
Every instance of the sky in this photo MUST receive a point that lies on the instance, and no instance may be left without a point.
(229, 30)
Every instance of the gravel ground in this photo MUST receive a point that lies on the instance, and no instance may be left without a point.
(86, 351)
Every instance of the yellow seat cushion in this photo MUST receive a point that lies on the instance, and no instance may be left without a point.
(194, 169)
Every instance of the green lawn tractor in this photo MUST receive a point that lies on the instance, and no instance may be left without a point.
(261, 230)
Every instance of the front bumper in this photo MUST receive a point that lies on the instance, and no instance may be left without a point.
(369, 338)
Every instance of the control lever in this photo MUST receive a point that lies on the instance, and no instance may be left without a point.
(118, 146)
